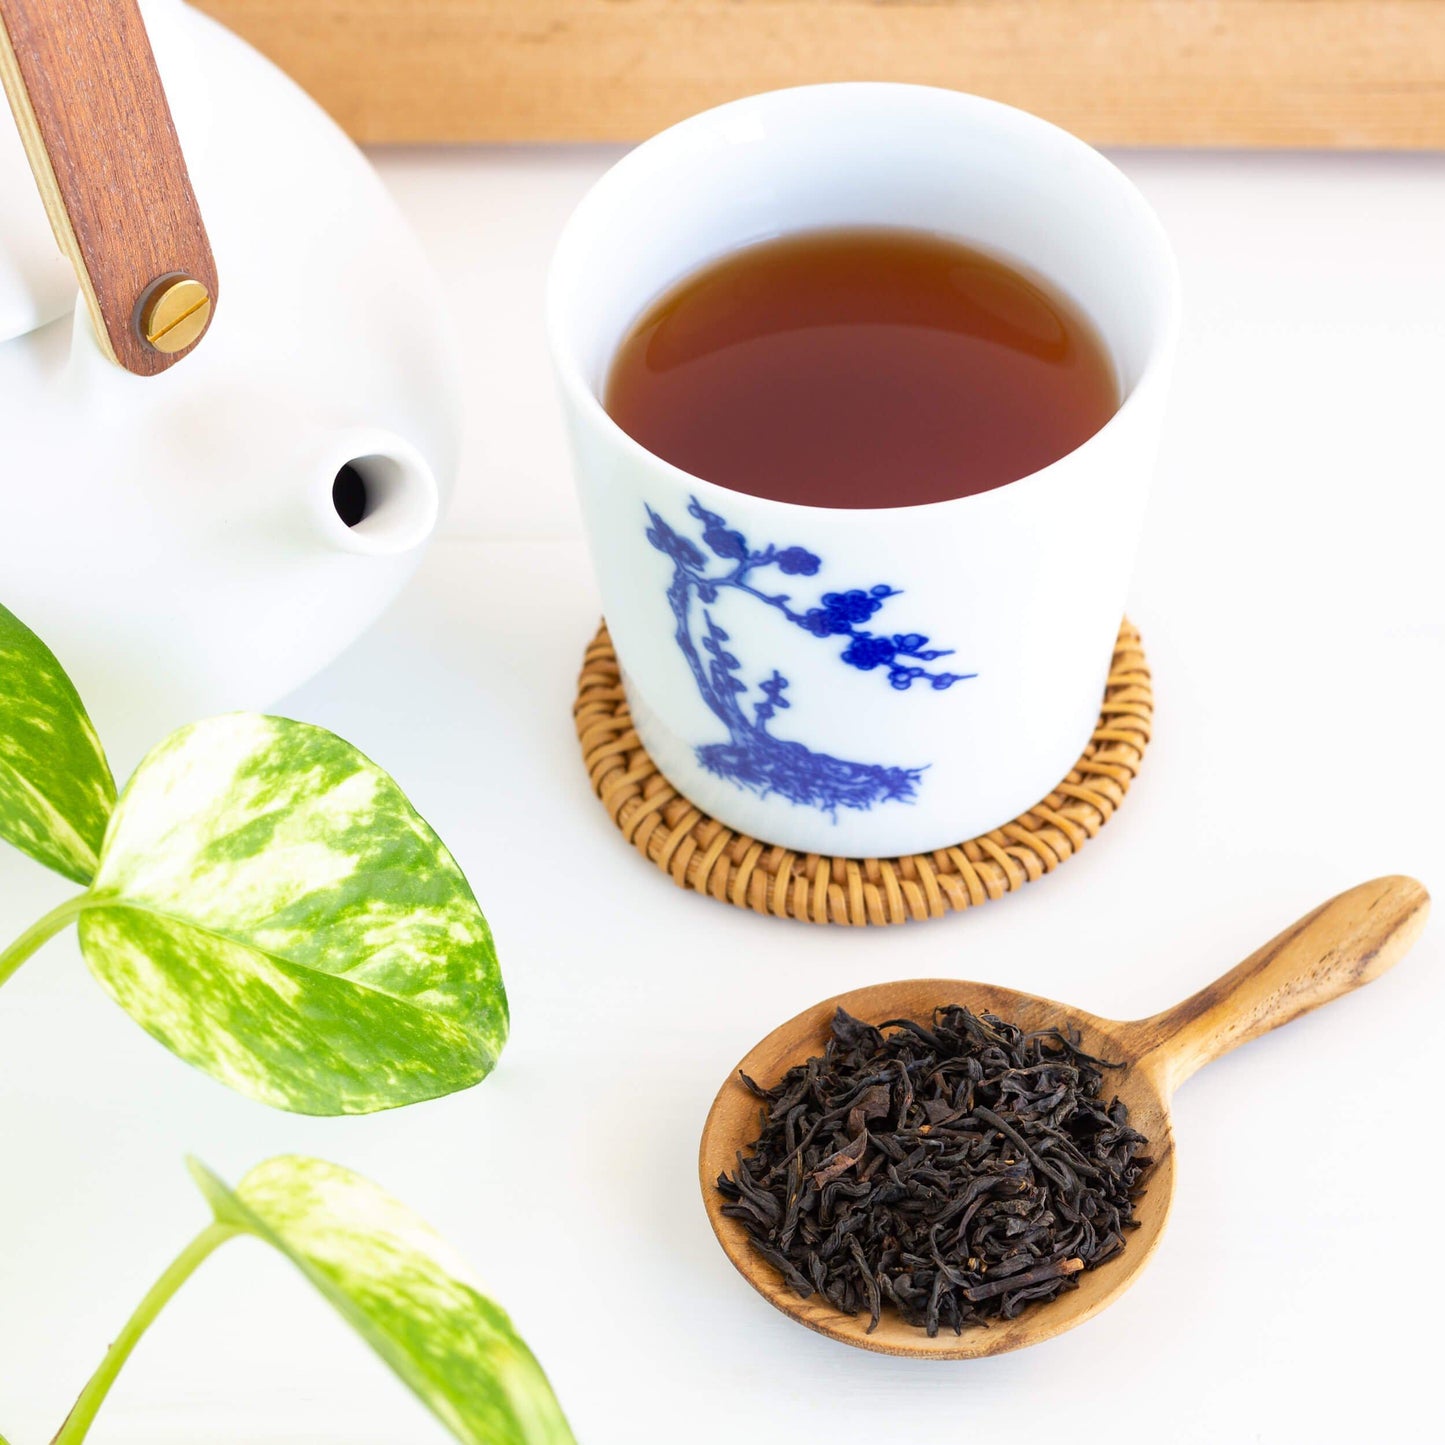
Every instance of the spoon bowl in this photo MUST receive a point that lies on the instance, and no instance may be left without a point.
(1341, 945)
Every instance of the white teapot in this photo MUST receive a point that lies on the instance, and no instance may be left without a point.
(207, 538)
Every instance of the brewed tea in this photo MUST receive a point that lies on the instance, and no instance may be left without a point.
(866, 367)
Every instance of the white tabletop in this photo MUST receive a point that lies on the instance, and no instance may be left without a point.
(1291, 600)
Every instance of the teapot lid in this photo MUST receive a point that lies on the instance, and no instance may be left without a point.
(37, 284)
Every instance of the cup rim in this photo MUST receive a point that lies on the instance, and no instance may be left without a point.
(584, 397)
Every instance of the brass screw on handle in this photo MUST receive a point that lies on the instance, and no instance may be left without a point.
(174, 311)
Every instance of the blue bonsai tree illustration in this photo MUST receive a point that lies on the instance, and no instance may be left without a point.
(752, 757)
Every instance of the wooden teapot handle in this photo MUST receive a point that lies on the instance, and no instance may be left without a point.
(1347, 942)
(83, 84)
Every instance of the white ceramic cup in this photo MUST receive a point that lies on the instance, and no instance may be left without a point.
(822, 722)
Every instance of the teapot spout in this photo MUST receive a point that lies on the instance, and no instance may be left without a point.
(377, 494)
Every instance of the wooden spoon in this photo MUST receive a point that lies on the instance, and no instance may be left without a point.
(1344, 943)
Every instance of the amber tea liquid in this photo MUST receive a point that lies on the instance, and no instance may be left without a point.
(861, 368)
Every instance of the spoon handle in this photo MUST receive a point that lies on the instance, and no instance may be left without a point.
(1344, 943)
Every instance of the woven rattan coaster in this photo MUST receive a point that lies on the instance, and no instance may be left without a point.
(700, 853)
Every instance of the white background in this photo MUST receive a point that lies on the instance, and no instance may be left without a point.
(1291, 599)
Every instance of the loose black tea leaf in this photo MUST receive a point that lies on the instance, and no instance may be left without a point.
(958, 1172)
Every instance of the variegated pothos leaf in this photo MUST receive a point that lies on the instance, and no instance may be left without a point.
(271, 908)
(56, 792)
(404, 1290)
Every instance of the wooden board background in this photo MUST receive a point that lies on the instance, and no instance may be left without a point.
(1322, 73)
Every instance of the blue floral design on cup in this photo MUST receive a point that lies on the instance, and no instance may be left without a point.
(752, 757)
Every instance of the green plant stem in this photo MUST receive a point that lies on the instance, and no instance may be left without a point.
(78, 1422)
(38, 933)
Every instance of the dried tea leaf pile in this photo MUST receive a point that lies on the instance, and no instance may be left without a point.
(957, 1172)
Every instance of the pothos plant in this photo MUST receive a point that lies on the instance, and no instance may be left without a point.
(390, 1277)
(265, 901)
(261, 898)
